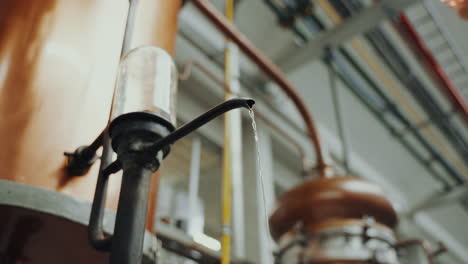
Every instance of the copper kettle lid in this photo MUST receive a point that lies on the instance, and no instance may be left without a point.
(325, 199)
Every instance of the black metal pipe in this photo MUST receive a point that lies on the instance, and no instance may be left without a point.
(96, 234)
(200, 121)
(129, 231)
(81, 160)
(190, 127)
(97, 143)
(138, 165)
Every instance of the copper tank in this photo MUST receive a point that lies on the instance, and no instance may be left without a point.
(58, 65)
(327, 203)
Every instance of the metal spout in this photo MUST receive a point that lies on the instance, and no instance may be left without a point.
(202, 120)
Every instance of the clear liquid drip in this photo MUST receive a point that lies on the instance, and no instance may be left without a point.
(259, 166)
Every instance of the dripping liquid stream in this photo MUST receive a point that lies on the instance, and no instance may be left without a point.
(259, 167)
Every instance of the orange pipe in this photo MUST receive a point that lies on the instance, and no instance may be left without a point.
(268, 67)
(447, 87)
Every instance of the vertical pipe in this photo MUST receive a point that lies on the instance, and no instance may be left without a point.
(234, 118)
(227, 181)
(193, 182)
(130, 221)
(95, 230)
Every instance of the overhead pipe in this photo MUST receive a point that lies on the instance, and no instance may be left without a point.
(447, 87)
(435, 154)
(331, 9)
(267, 67)
(420, 47)
(354, 87)
(385, 104)
(401, 69)
(420, 93)
(435, 17)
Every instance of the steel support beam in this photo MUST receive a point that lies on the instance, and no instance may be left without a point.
(358, 24)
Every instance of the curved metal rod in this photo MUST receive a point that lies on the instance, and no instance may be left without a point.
(188, 128)
(200, 121)
(96, 235)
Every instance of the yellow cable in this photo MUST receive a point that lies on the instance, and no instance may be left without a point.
(227, 184)
(389, 83)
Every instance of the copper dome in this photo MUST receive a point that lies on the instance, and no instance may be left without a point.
(322, 200)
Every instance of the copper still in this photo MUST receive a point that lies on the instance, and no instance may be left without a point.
(335, 221)
(58, 67)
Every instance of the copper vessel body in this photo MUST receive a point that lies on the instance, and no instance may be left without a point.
(318, 206)
(36, 238)
(329, 199)
(58, 65)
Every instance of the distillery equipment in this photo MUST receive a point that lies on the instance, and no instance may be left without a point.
(56, 98)
(338, 220)
(88, 93)
(141, 130)
(75, 50)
